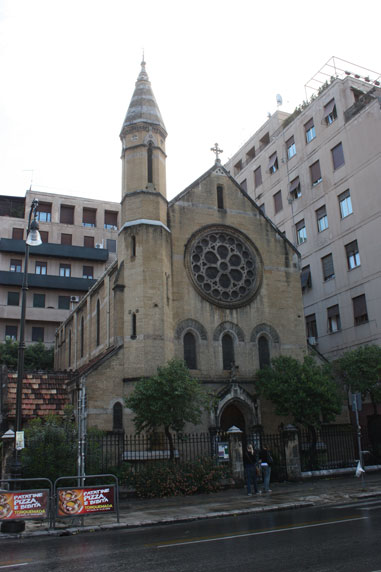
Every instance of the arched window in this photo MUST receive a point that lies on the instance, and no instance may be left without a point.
(133, 245)
(220, 197)
(82, 336)
(117, 417)
(227, 351)
(98, 325)
(133, 326)
(190, 353)
(149, 163)
(263, 352)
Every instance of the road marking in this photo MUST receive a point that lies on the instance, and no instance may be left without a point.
(173, 543)
(14, 565)
(359, 504)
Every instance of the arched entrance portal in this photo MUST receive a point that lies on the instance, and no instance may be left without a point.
(230, 416)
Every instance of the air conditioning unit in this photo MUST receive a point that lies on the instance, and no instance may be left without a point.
(74, 298)
(99, 245)
(312, 340)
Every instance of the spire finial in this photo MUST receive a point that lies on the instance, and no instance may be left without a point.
(217, 152)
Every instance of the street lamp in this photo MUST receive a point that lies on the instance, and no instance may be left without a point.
(32, 239)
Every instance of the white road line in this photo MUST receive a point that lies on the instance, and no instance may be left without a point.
(15, 565)
(235, 536)
(358, 504)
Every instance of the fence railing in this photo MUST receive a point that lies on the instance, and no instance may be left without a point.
(108, 451)
(334, 447)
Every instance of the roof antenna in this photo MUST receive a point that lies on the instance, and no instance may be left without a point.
(31, 178)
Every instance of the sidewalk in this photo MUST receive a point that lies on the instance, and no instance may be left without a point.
(147, 512)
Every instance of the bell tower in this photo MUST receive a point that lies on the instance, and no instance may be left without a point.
(143, 156)
(142, 287)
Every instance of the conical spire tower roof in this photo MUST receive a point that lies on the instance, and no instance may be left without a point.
(143, 107)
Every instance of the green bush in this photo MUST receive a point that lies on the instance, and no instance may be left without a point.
(169, 478)
(51, 448)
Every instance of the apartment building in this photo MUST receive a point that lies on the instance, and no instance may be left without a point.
(316, 174)
(79, 239)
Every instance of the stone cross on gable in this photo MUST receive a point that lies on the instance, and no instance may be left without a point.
(217, 151)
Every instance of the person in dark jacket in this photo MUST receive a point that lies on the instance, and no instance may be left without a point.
(250, 461)
(266, 460)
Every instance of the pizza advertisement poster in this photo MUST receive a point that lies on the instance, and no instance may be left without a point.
(24, 504)
(85, 501)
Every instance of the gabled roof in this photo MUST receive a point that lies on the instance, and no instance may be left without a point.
(220, 169)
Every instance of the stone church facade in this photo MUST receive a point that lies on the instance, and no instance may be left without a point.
(205, 277)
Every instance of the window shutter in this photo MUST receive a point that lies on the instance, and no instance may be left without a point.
(66, 239)
(258, 177)
(351, 248)
(17, 233)
(88, 241)
(278, 201)
(272, 160)
(290, 141)
(111, 218)
(44, 207)
(294, 184)
(328, 269)
(309, 124)
(338, 156)
(333, 311)
(306, 277)
(359, 306)
(321, 212)
(315, 171)
(67, 214)
(89, 216)
(329, 108)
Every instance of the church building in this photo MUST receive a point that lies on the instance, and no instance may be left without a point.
(205, 277)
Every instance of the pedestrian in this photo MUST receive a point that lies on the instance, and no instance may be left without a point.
(250, 462)
(266, 461)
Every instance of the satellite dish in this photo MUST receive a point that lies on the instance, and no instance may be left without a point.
(279, 99)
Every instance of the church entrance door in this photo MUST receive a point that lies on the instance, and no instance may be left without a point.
(230, 416)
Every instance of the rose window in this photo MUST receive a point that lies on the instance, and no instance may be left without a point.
(224, 267)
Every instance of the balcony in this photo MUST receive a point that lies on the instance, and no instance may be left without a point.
(55, 250)
(46, 281)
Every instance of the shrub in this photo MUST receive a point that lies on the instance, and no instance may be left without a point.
(168, 478)
(51, 448)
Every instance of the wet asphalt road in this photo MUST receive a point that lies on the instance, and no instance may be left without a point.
(344, 538)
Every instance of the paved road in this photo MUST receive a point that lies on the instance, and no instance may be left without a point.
(343, 538)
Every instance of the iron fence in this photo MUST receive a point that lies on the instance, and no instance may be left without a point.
(334, 447)
(104, 452)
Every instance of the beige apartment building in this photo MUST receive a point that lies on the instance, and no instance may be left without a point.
(316, 174)
(79, 238)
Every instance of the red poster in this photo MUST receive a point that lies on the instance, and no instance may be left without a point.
(24, 504)
(75, 502)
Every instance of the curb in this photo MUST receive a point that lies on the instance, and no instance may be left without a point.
(165, 521)
(178, 520)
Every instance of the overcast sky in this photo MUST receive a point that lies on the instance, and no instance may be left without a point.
(68, 71)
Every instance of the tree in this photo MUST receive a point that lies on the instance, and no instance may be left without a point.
(36, 356)
(51, 447)
(360, 371)
(169, 399)
(304, 391)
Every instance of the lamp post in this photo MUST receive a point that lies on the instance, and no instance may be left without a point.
(32, 239)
